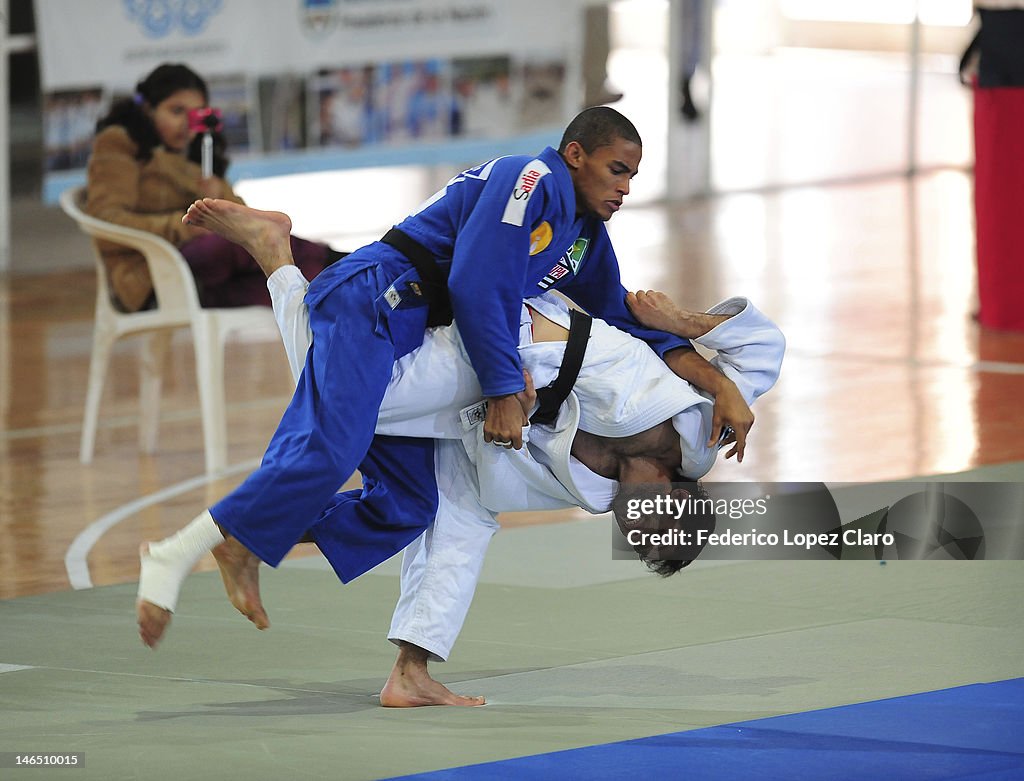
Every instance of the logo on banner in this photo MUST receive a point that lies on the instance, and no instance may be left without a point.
(159, 18)
(318, 17)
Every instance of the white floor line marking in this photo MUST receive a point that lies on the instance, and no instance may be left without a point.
(655, 651)
(12, 668)
(181, 679)
(76, 559)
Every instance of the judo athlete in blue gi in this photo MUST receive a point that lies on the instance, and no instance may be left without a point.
(498, 233)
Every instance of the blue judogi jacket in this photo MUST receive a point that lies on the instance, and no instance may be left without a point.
(508, 230)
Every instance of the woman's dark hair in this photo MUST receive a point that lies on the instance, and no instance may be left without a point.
(153, 90)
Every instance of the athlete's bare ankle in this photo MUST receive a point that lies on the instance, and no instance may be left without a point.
(411, 657)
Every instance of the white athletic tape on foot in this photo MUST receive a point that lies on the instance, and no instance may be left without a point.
(170, 561)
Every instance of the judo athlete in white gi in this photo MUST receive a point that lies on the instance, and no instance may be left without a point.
(503, 231)
(623, 390)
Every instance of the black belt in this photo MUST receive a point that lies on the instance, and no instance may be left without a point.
(435, 290)
(432, 276)
(553, 395)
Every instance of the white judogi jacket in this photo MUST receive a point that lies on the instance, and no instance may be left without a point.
(623, 388)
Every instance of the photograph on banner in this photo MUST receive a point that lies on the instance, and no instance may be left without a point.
(543, 93)
(341, 107)
(234, 95)
(482, 104)
(69, 123)
(416, 100)
(282, 102)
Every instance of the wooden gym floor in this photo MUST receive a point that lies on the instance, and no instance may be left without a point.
(886, 376)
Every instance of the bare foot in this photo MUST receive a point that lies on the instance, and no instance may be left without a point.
(240, 571)
(400, 692)
(410, 685)
(153, 621)
(265, 235)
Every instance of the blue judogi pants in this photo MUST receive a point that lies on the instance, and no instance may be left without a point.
(398, 501)
(327, 430)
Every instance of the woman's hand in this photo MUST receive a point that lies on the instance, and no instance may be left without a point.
(211, 187)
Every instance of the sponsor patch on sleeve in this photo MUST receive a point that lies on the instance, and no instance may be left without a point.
(540, 238)
(576, 253)
(526, 185)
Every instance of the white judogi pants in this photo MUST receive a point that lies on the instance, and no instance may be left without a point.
(440, 569)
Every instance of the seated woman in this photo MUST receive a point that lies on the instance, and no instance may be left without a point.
(145, 171)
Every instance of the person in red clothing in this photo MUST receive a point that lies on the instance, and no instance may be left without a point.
(999, 163)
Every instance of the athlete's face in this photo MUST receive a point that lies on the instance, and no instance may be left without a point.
(601, 177)
(170, 116)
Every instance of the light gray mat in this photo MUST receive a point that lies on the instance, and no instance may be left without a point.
(592, 650)
(563, 666)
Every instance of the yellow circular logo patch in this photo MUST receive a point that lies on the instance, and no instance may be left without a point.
(540, 238)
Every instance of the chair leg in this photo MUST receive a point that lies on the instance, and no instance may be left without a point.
(209, 348)
(102, 341)
(151, 375)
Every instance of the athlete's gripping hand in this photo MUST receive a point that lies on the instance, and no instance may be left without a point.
(656, 310)
(505, 419)
(731, 412)
(507, 415)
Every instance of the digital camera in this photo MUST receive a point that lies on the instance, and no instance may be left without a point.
(202, 120)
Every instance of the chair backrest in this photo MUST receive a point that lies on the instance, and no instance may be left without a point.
(172, 279)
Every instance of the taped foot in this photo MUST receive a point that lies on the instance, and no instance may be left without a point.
(163, 568)
(152, 618)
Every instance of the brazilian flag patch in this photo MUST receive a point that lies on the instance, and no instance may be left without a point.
(576, 253)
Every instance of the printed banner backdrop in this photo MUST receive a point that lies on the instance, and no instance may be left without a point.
(317, 84)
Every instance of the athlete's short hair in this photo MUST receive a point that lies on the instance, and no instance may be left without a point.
(667, 559)
(598, 126)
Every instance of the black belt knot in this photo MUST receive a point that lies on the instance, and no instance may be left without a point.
(435, 290)
(432, 276)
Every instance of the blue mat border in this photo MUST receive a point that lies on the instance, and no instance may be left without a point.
(974, 731)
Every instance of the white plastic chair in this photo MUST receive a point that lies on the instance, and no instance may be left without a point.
(177, 307)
